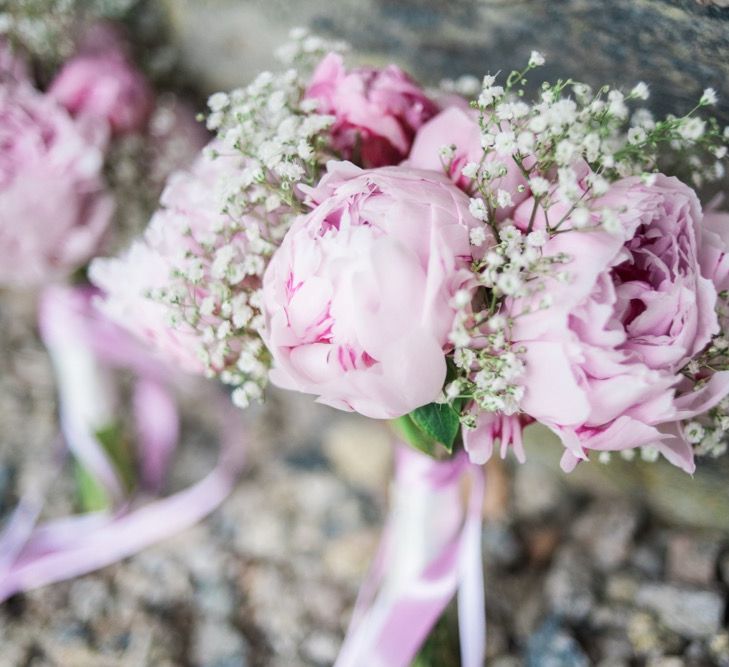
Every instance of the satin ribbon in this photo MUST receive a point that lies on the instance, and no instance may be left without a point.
(34, 555)
(430, 549)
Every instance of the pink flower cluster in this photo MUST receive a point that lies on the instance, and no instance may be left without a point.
(54, 205)
(603, 364)
(54, 208)
(101, 82)
(360, 299)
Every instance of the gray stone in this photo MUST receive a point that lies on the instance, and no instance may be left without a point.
(321, 648)
(553, 646)
(89, 598)
(501, 546)
(692, 558)
(218, 644)
(569, 584)
(689, 612)
(607, 530)
(537, 491)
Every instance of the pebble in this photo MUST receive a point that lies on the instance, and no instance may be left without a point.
(553, 646)
(218, 644)
(569, 584)
(537, 493)
(607, 529)
(689, 612)
(692, 559)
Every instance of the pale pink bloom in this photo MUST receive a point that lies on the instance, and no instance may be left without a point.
(714, 253)
(495, 429)
(103, 83)
(12, 66)
(603, 361)
(190, 210)
(458, 128)
(358, 298)
(377, 111)
(54, 208)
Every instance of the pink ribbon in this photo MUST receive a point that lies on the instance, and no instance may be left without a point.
(399, 603)
(35, 555)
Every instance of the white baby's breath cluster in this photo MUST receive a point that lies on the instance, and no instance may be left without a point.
(488, 365)
(709, 434)
(214, 293)
(549, 143)
(281, 143)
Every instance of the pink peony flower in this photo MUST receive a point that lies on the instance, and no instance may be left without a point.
(377, 111)
(358, 297)
(715, 249)
(104, 84)
(54, 209)
(190, 211)
(603, 361)
(458, 128)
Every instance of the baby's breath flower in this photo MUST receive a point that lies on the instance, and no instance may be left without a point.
(709, 98)
(536, 59)
(477, 236)
(478, 210)
(640, 91)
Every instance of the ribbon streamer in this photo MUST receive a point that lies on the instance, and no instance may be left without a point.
(430, 548)
(34, 555)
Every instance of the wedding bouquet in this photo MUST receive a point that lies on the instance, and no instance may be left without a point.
(85, 140)
(463, 263)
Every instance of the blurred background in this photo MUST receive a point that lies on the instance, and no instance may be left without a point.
(616, 564)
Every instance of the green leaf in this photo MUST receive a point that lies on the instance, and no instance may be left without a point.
(414, 436)
(92, 495)
(439, 422)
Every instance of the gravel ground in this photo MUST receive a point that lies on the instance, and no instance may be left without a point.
(268, 579)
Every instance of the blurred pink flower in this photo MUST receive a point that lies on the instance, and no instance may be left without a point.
(12, 66)
(103, 83)
(190, 209)
(54, 209)
(358, 298)
(458, 129)
(603, 361)
(377, 111)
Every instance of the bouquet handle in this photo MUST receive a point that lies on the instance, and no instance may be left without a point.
(430, 550)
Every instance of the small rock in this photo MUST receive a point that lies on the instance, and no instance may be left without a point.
(348, 557)
(719, 648)
(569, 584)
(321, 648)
(553, 646)
(89, 598)
(506, 661)
(666, 661)
(541, 543)
(692, 559)
(614, 648)
(361, 452)
(218, 644)
(689, 612)
(607, 529)
(610, 616)
(647, 559)
(501, 546)
(621, 588)
(537, 491)
(648, 637)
